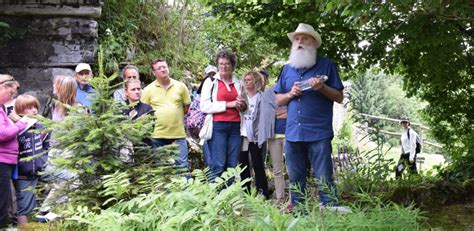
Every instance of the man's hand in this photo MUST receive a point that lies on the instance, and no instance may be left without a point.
(316, 83)
(411, 158)
(295, 90)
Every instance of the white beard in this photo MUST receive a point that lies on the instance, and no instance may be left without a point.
(305, 58)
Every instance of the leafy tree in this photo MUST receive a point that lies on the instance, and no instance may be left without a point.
(186, 34)
(429, 43)
(382, 95)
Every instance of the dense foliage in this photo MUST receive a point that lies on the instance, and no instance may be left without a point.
(185, 34)
(197, 205)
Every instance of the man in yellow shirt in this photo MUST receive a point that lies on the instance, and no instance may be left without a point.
(170, 100)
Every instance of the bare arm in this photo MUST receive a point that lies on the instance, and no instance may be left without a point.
(186, 108)
(332, 93)
(283, 99)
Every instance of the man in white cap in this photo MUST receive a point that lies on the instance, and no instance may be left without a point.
(409, 140)
(84, 90)
(308, 85)
(210, 72)
(128, 72)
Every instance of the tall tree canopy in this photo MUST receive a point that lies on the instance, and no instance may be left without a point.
(430, 43)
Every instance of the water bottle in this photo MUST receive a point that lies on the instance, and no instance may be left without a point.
(305, 83)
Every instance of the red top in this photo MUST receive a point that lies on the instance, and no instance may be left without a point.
(230, 114)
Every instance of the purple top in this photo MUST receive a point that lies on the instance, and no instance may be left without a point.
(8, 139)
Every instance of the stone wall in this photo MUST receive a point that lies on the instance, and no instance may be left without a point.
(50, 38)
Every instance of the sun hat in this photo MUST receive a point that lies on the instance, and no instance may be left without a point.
(83, 66)
(307, 29)
(210, 69)
(404, 119)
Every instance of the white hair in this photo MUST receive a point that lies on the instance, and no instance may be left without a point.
(305, 58)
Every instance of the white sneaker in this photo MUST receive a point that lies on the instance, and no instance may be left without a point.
(51, 216)
(339, 209)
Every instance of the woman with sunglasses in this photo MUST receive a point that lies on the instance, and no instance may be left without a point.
(8, 145)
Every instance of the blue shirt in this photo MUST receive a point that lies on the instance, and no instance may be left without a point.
(84, 95)
(310, 115)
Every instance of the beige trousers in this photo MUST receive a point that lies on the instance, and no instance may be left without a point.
(276, 148)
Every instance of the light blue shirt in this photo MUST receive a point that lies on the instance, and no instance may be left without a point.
(84, 95)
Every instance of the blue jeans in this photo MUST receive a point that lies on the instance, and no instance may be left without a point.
(182, 157)
(25, 197)
(224, 147)
(298, 157)
(206, 154)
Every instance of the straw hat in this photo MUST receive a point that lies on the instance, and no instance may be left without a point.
(307, 29)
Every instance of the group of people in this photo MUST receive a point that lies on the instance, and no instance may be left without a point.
(293, 117)
(244, 118)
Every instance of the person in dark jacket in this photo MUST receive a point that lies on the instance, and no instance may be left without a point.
(133, 92)
(134, 109)
(31, 144)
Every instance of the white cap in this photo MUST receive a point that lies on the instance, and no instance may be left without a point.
(210, 69)
(83, 66)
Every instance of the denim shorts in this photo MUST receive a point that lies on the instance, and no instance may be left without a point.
(25, 197)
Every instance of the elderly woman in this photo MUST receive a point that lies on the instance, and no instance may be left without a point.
(8, 145)
(222, 102)
(251, 150)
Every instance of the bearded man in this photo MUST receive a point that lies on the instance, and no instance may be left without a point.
(308, 85)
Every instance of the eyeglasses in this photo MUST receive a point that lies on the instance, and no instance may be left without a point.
(225, 64)
(8, 80)
(131, 77)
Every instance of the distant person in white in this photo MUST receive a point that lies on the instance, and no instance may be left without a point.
(408, 156)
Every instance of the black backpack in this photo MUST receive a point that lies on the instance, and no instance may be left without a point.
(418, 144)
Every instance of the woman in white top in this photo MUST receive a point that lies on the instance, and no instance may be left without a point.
(251, 151)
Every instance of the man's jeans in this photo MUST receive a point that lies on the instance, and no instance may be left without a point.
(224, 147)
(298, 157)
(182, 157)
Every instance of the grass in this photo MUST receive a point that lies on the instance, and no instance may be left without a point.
(453, 217)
